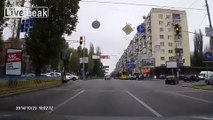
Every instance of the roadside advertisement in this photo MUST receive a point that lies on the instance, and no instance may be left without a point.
(13, 61)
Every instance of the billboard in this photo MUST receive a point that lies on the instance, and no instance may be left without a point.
(171, 64)
(13, 61)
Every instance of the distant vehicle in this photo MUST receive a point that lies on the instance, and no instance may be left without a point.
(70, 76)
(171, 79)
(190, 78)
(107, 77)
(205, 75)
(52, 74)
(131, 77)
(162, 76)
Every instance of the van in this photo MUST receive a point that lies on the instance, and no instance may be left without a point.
(205, 75)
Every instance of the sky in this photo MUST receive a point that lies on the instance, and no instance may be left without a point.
(113, 17)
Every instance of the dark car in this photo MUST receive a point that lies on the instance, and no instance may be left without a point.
(107, 77)
(162, 77)
(190, 78)
(171, 79)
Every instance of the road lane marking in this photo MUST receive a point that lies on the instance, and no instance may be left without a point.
(144, 104)
(190, 97)
(66, 101)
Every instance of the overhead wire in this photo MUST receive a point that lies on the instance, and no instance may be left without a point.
(202, 20)
(141, 4)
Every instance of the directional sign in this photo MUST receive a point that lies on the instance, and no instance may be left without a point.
(208, 57)
(27, 25)
(84, 60)
(141, 29)
(127, 29)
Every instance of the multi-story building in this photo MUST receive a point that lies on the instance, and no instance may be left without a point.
(160, 42)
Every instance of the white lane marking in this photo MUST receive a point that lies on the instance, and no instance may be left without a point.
(144, 104)
(63, 103)
(190, 97)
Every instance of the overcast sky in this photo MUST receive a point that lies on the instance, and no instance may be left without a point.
(114, 17)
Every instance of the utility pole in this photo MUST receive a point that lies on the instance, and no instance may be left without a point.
(83, 57)
(210, 25)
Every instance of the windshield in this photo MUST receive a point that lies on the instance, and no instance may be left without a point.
(106, 59)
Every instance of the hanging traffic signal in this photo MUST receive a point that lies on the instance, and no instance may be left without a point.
(81, 40)
(177, 29)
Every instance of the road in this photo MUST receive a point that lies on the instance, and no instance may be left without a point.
(115, 98)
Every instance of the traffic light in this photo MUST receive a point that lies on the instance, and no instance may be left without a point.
(81, 40)
(177, 29)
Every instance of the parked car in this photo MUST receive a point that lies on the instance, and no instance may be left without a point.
(162, 76)
(171, 79)
(190, 78)
(52, 74)
(70, 76)
(107, 77)
(205, 75)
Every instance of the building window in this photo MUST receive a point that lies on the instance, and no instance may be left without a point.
(162, 58)
(161, 36)
(162, 51)
(160, 16)
(169, 29)
(170, 51)
(168, 16)
(179, 44)
(161, 29)
(169, 24)
(170, 44)
(169, 37)
(161, 43)
(160, 22)
(170, 58)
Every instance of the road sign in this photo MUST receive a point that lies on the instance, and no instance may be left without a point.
(209, 31)
(13, 61)
(148, 62)
(171, 64)
(27, 25)
(141, 29)
(208, 57)
(95, 57)
(84, 60)
(127, 29)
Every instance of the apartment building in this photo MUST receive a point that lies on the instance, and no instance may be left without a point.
(162, 41)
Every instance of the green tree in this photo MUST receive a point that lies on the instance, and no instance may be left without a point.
(2, 3)
(198, 49)
(74, 62)
(91, 61)
(45, 43)
(98, 65)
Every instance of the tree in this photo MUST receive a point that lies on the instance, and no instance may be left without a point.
(198, 49)
(74, 62)
(91, 61)
(2, 4)
(45, 43)
(98, 66)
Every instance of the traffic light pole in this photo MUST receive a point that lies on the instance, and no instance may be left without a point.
(83, 57)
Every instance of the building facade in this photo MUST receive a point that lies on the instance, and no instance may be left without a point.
(160, 42)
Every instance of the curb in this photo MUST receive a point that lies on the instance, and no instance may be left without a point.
(33, 90)
(192, 87)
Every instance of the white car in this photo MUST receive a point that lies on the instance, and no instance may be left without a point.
(71, 77)
(53, 74)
